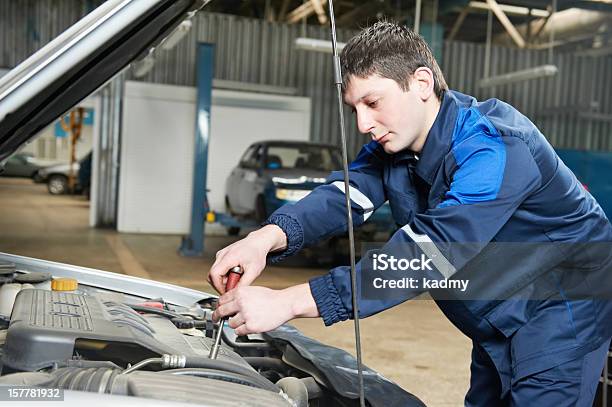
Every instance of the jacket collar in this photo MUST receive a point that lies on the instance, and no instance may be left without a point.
(439, 138)
(404, 155)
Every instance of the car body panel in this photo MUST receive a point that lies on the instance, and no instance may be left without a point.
(110, 281)
(60, 169)
(20, 165)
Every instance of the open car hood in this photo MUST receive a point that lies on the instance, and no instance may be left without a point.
(80, 60)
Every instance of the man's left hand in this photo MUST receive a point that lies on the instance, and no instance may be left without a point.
(259, 309)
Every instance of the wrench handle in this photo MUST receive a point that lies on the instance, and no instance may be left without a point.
(233, 277)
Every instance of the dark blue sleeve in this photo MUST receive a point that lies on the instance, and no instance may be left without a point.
(492, 178)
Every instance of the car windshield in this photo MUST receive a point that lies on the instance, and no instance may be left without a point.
(303, 156)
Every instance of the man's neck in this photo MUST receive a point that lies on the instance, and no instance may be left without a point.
(431, 112)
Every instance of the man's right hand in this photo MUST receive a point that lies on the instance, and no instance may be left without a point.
(249, 253)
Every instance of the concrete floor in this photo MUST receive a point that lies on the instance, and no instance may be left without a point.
(412, 344)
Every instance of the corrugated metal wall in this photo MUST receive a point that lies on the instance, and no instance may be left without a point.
(259, 52)
(573, 109)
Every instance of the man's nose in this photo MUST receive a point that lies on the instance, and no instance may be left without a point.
(365, 124)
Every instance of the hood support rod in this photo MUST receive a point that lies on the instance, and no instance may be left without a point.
(349, 216)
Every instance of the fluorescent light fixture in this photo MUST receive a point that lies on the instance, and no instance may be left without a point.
(177, 35)
(541, 71)
(253, 87)
(311, 44)
(142, 67)
(510, 9)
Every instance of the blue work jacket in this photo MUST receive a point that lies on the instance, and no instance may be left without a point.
(485, 175)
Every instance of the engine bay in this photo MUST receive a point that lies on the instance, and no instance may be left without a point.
(100, 341)
(99, 334)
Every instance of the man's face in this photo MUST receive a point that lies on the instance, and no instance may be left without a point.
(395, 118)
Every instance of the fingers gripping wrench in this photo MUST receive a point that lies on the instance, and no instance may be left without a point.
(233, 277)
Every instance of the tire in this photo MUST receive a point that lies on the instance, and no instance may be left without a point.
(260, 209)
(57, 184)
(233, 230)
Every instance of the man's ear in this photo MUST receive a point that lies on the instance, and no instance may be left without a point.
(423, 82)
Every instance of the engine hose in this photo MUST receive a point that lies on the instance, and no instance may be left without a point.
(262, 362)
(181, 361)
(219, 375)
(245, 345)
(215, 364)
(295, 389)
(177, 319)
(101, 379)
(153, 310)
(94, 379)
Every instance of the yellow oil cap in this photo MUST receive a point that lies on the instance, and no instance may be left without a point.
(64, 284)
(210, 217)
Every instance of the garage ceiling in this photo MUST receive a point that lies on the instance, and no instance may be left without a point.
(596, 16)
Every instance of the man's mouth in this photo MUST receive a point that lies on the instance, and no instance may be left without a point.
(383, 139)
(380, 135)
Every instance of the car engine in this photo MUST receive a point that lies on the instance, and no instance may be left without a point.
(89, 341)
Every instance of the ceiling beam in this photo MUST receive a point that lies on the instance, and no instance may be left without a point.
(503, 19)
(304, 11)
(458, 22)
(317, 5)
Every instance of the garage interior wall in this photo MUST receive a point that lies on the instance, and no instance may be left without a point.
(157, 149)
(573, 108)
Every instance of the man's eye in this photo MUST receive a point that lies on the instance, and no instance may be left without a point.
(373, 104)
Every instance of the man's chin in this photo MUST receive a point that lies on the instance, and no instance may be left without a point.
(388, 147)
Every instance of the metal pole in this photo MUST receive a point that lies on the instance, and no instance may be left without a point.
(117, 91)
(487, 61)
(604, 386)
(349, 216)
(552, 33)
(417, 16)
(434, 19)
(193, 244)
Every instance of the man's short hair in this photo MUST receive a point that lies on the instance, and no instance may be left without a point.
(391, 51)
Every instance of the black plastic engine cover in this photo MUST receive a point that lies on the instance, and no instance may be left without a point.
(49, 327)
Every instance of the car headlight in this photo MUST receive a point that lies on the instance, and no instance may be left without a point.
(291, 194)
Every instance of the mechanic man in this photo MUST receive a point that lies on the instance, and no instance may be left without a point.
(453, 170)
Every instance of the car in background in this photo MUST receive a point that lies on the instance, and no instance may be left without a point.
(56, 176)
(20, 165)
(271, 174)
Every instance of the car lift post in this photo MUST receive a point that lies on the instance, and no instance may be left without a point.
(193, 244)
